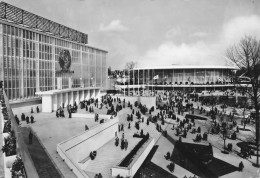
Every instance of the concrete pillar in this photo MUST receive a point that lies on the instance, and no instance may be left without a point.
(37, 65)
(97, 92)
(47, 103)
(54, 102)
(66, 101)
(77, 97)
(59, 100)
(93, 93)
(87, 95)
(70, 98)
(22, 68)
(53, 64)
(81, 95)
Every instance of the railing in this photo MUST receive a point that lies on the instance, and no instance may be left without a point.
(22, 149)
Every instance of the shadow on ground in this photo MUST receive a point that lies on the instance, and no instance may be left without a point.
(41, 159)
(199, 160)
(149, 169)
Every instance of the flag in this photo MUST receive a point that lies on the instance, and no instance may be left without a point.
(156, 77)
(189, 79)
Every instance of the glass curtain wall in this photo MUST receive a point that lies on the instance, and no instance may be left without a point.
(30, 60)
(18, 60)
(45, 63)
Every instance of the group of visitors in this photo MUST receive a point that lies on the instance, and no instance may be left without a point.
(99, 175)
(25, 118)
(60, 112)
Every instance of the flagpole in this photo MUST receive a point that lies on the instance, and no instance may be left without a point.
(124, 82)
(138, 81)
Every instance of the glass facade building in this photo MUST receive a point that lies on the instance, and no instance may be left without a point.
(183, 75)
(29, 56)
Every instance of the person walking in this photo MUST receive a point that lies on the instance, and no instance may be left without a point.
(30, 137)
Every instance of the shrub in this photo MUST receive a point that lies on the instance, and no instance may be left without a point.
(18, 168)
(9, 148)
(7, 127)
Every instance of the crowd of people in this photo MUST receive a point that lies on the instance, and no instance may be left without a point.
(176, 103)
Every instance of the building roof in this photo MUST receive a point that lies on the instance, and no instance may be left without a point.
(186, 67)
(22, 17)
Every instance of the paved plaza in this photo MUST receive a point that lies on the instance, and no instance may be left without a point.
(51, 131)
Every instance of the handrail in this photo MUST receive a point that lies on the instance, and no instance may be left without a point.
(22, 149)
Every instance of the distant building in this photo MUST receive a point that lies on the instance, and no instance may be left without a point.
(181, 77)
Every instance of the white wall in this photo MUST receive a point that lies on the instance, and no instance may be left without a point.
(135, 165)
(142, 157)
(77, 171)
(90, 116)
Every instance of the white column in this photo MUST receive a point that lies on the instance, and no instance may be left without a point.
(138, 81)
(66, 99)
(53, 64)
(77, 97)
(82, 95)
(194, 78)
(71, 97)
(21, 58)
(54, 102)
(47, 105)
(87, 95)
(205, 78)
(37, 63)
(93, 94)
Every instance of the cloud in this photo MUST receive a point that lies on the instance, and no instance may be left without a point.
(200, 34)
(113, 26)
(173, 32)
(201, 52)
(237, 28)
(169, 53)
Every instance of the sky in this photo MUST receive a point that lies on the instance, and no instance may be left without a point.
(156, 32)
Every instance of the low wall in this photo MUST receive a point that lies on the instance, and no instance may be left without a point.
(149, 101)
(89, 116)
(78, 148)
(76, 170)
(135, 165)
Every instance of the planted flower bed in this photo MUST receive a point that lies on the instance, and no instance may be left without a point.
(129, 158)
(7, 127)
(18, 168)
(9, 147)
(192, 116)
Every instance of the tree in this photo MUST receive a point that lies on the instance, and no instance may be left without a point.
(130, 65)
(246, 55)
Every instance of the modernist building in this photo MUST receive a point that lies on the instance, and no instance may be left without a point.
(181, 77)
(38, 55)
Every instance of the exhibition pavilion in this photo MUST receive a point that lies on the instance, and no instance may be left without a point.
(39, 55)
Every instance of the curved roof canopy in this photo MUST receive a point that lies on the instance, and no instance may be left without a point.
(186, 67)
